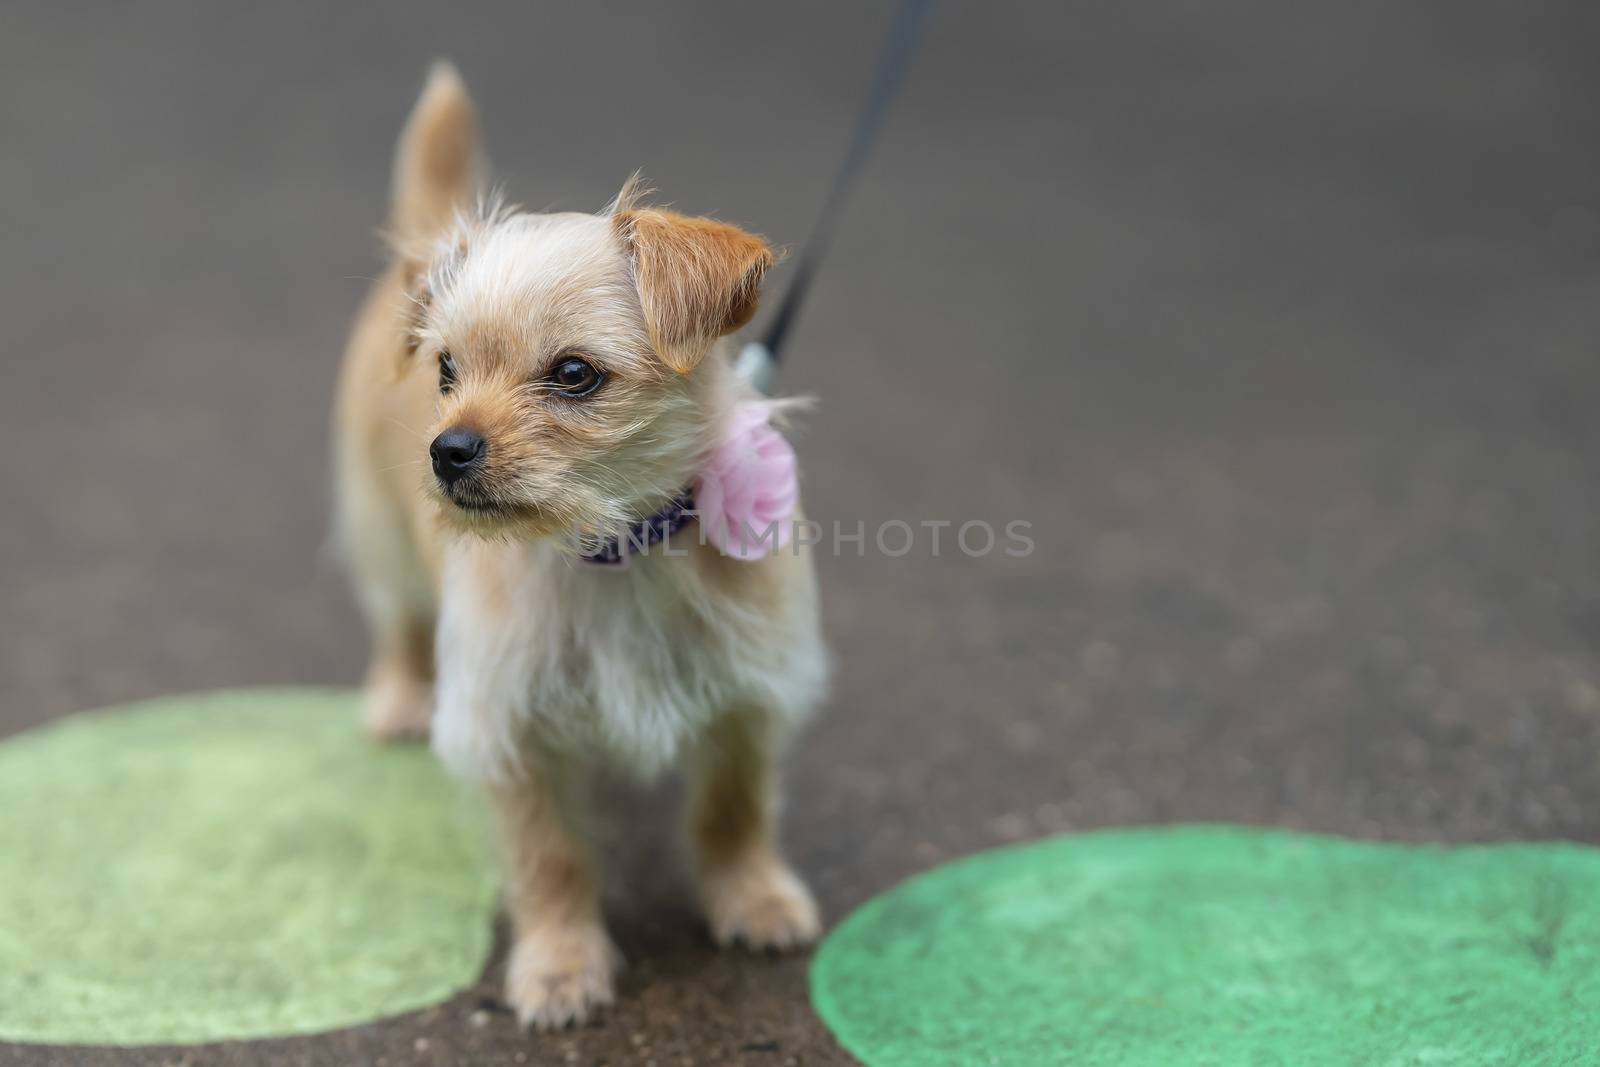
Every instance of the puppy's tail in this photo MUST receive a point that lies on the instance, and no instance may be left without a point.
(437, 163)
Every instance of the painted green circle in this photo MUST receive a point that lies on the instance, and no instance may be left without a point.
(230, 865)
(1228, 947)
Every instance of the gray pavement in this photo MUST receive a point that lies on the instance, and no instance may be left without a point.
(1276, 321)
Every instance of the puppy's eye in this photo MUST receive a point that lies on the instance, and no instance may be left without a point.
(575, 377)
(447, 372)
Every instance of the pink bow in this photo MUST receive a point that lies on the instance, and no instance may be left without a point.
(747, 492)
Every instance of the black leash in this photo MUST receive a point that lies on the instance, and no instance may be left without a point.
(760, 359)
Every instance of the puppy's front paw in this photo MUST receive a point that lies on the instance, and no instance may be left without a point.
(396, 707)
(761, 906)
(558, 978)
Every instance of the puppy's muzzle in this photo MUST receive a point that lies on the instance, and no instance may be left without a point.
(457, 453)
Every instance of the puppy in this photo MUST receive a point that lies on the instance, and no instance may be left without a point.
(518, 386)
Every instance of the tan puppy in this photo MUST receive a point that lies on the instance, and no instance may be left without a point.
(513, 378)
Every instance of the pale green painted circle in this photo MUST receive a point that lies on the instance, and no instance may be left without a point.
(230, 865)
(1225, 947)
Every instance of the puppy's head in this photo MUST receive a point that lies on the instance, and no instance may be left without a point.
(574, 389)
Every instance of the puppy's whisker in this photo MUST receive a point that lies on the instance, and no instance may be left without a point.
(406, 463)
(419, 435)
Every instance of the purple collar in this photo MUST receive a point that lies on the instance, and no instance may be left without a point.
(673, 516)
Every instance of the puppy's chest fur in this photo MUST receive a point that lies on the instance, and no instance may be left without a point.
(627, 664)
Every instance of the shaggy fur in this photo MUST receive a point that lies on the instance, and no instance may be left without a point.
(546, 664)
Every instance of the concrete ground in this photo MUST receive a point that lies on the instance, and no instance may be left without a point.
(1277, 322)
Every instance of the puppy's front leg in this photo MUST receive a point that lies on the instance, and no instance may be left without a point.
(561, 962)
(750, 894)
(398, 695)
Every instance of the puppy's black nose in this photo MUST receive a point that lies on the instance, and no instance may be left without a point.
(456, 453)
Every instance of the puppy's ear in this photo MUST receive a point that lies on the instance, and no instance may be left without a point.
(437, 162)
(698, 278)
(436, 174)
